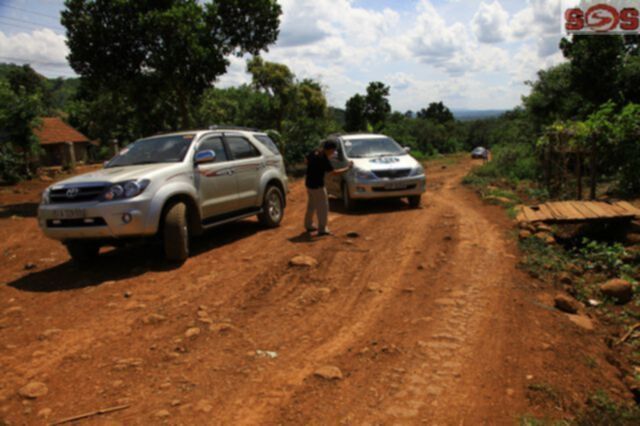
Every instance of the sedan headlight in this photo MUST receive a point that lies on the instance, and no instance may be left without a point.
(46, 197)
(361, 174)
(417, 171)
(124, 190)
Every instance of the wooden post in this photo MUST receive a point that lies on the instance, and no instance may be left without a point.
(71, 156)
(594, 174)
(579, 173)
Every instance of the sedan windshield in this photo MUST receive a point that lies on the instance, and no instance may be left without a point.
(166, 149)
(374, 147)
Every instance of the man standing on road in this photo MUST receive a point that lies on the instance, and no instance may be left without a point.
(319, 164)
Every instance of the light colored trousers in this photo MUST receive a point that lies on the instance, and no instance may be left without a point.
(317, 202)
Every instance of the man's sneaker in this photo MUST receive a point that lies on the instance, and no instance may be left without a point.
(312, 229)
(324, 234)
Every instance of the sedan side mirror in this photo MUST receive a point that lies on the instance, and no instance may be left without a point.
(204, 157)
(407, 149)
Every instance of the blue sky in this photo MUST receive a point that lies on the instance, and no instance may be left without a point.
(471, 54)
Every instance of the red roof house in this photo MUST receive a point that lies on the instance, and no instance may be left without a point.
(62, 144)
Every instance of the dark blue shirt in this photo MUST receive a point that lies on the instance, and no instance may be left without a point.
(317, 166)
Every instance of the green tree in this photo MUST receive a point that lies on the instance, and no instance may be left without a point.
(595, 65)
(19, 115)
(355, 119)
(436, 111)
(377, 107)
(161, 55)
(277, 81)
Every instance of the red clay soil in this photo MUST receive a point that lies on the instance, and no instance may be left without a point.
(425, 315)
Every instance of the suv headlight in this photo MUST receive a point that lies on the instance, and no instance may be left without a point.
(46, 197)
(361, 174)
(417, 171)
(124, 190)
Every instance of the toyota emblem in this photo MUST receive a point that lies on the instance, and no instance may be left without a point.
(72, 193)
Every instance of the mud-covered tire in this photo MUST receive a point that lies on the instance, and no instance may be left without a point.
(83, 251)
(348, 203)
(272, 207)
(415, 201)
(175, 233)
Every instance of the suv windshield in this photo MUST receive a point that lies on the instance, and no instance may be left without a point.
(374, 147)
(167, 149)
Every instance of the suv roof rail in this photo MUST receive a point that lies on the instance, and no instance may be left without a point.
(248, 129)
(351, 134)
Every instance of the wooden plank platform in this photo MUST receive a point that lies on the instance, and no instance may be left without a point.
(577, 211)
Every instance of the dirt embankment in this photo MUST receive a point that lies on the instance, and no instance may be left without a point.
(424, 316)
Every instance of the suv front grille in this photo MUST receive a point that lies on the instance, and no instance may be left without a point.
(392, 173)
(84, 193)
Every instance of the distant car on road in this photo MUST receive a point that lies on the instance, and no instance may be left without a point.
(381, 169)
(171, 186)
(480, 152)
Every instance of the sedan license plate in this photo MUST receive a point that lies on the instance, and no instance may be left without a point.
(67, 214)
(396, 185)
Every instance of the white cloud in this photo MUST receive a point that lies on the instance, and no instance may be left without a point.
(43, 47)
(491, 23)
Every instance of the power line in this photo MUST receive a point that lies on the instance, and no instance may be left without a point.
(57, 18)
(29, 22)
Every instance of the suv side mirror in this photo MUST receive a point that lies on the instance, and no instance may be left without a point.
(407, 149)
(204, 157)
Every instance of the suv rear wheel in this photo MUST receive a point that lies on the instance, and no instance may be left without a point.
(272, 207)
(83, 251)
(175, 233)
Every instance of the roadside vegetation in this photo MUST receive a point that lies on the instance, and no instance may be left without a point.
(577, 135)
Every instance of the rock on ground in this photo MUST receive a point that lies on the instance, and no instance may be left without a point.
(329, 372)
(566, 304)
(620, 290)
(33, 390)
(192, 333)
(303, 261)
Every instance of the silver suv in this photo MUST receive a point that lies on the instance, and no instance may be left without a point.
(173, 186)
(381, 169)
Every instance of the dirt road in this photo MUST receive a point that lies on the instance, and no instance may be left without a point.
(424, 314)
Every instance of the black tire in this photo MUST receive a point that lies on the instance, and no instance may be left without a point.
(272, 207)
(83, 251)
(175, 233)
(349, 203)
(415, 201)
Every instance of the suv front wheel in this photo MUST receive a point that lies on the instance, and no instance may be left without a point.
(175, 233)
(83, 251)
(272, 207)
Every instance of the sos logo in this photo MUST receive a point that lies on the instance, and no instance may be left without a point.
(602, 18)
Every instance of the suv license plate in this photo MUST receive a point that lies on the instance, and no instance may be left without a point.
(398, 185)
(67, 214)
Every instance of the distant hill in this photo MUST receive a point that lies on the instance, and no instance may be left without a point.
(479, 114)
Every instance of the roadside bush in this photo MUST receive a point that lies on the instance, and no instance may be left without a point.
(11, 165)
(607, 258)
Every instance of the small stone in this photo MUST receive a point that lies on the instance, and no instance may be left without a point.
(220, 327)
(127, 294)
(566, 304)
(204, 406)
(14, 310)
(192, 333)
(303, 262)
(153, 319)
(353, 234)
(45, 413)
(581, 321)
(30, 266)
(161, 414)
(175, 402)
(524, 234)
(33, 390)
(510, 392)
(543, 227)
(329, 372)
(619, 290)
(50, 333)
(565, 278)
